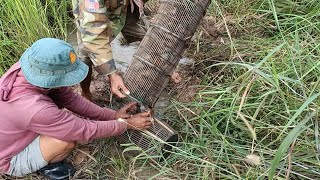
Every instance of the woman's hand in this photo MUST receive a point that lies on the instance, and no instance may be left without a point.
(140, 121)
(124, 111)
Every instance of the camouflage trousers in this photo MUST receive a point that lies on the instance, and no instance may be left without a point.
(133, 30)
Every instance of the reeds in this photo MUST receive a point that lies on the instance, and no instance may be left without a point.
(255, 115)
(24, 22)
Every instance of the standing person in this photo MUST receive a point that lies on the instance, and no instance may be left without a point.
(36, 134)
(98, 22)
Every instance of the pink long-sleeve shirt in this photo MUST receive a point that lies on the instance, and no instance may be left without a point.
(26, 111)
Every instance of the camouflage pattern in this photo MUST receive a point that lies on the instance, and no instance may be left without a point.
(98, 22)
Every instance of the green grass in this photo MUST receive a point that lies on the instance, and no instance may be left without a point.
(259, 93)
(24, 22)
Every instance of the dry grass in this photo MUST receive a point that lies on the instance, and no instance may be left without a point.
(251, 111)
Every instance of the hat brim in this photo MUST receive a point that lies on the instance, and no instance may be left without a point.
(56, 80)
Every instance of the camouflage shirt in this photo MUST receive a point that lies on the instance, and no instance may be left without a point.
(98, 22)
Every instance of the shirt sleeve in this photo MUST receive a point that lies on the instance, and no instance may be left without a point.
(95, 32)
(65, 97)
(59, 124)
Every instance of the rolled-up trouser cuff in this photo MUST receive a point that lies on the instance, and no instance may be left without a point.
(107, 68)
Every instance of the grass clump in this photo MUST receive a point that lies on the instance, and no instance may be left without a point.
(255, 113)
(24, 22)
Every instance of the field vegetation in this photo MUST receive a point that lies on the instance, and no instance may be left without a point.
(253, 108)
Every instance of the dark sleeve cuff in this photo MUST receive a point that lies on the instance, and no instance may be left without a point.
(107, 68)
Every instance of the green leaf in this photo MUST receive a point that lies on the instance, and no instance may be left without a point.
(300, 110)
(283, 148)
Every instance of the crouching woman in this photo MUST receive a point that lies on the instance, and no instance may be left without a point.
(36, 134)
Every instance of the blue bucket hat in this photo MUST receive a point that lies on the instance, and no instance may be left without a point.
(51, 63)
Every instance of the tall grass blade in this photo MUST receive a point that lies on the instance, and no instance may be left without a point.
(283, 148)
